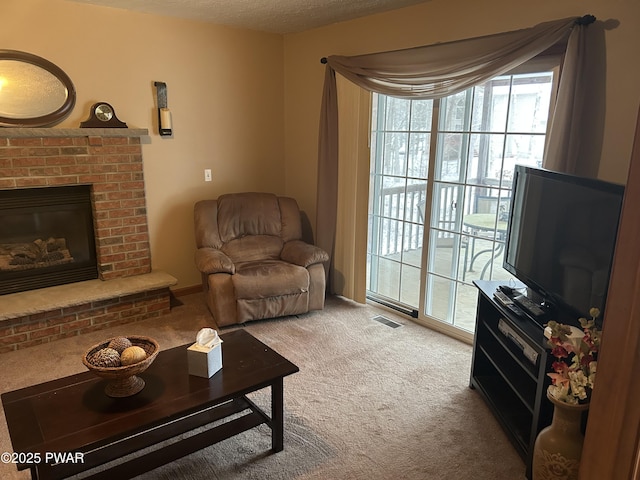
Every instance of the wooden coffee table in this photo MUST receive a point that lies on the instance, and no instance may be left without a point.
(73, 417)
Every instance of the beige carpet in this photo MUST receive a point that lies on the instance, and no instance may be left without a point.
(369, 402)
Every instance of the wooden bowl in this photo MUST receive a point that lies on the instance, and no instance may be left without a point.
(124, 379)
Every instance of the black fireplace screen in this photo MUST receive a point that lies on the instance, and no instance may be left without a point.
(46, 237)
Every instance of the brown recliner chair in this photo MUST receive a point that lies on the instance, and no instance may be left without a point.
(253, 260)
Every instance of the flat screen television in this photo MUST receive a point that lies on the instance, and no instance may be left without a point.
(561, 238)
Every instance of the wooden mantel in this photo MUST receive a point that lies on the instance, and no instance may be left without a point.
(72, 132)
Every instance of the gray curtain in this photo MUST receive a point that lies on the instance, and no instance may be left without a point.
(440, 70)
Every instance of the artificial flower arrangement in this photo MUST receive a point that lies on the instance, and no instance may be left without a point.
(574, 371)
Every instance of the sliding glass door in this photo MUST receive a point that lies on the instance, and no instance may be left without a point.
(440, 192)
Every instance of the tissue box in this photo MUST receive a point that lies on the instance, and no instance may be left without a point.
(203, 361)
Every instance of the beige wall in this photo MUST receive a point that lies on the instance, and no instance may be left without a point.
(246, 104)
(225, 91)
(446, 20)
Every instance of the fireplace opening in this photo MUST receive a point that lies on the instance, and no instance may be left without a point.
(46, 237)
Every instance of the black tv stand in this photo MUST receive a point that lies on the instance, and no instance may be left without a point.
(509, 370)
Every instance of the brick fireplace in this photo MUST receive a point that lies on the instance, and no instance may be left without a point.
(110, 160)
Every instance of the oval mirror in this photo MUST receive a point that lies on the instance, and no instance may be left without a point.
(33, 91)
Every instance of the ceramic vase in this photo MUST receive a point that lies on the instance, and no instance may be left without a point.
(558, 447)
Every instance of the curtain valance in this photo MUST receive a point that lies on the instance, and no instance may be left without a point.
(439, 70)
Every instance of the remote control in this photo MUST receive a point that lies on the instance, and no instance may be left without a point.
(506, 302)
(502, 298)
(530, 306)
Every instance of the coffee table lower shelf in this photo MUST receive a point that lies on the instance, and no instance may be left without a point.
(173, 451)
(73, 414)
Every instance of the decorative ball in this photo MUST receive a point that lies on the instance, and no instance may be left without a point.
(106, 357)
(132, 355)
(119, 344)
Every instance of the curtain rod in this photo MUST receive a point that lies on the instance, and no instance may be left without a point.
(584, 20)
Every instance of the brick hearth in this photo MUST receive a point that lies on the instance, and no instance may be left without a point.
(111, 161)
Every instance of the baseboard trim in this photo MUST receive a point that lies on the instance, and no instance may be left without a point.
(180, 292)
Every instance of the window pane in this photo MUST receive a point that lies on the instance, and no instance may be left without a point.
(442, 259)
(390, 237)
(441, 290)
(485, 159)
(397, 114)
(394, 154)
(490, 104)
(410, 285)
(421, 114)
(465, 312)
(412, 236)
(448, 258)
(523, 149)
(413, 244)
(416, 201)
(455, 112)
(418, 155)
(388, 277)
(530, 97)
(452, 150)
(489, 200)
(393, 197)
(446, 207)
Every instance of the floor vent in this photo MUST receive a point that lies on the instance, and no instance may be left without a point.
(386, 321)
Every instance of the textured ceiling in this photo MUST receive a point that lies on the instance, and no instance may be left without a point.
(276, 16)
